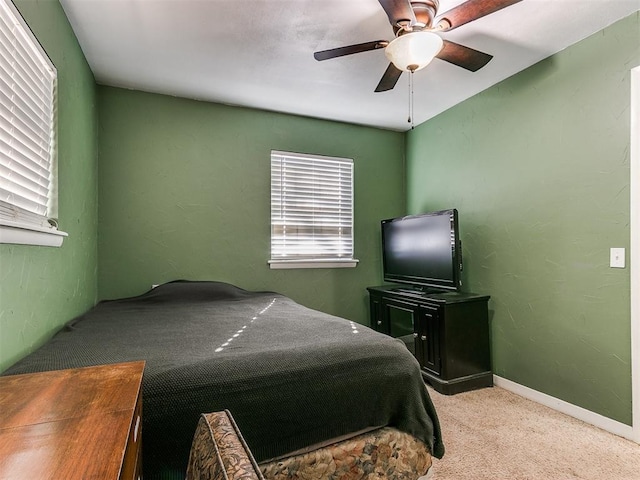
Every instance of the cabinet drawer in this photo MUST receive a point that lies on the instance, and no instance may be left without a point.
(132, 463)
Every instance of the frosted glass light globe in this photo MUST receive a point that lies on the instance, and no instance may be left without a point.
(413, 51)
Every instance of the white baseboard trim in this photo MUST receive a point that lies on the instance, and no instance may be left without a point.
(587, 416)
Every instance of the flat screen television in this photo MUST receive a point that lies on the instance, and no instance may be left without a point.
(423, 251)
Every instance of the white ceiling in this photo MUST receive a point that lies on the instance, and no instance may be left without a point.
(259, 53)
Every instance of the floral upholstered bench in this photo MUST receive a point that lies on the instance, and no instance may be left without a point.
(219, 452)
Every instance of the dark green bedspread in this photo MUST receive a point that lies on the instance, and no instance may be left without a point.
(290, 376)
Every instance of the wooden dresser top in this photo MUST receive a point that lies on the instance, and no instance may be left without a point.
(67, 424)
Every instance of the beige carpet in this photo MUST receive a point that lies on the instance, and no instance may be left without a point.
(494, 434)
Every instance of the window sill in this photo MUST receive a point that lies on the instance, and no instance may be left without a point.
(21, 234)
(329, 263)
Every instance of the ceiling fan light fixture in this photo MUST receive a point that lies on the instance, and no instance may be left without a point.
(413, 51)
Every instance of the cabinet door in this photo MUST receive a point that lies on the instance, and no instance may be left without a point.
(428, 339)
(378, 320)
(400, 318)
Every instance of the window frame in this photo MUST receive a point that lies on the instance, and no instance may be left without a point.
(19, 225)
(305, 261)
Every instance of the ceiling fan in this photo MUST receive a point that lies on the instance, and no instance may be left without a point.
(416, 25)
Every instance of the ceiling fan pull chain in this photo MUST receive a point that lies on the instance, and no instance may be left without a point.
(410, 119)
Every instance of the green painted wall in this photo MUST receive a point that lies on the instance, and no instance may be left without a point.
(41, 288)
(185, 189)
(538, 167)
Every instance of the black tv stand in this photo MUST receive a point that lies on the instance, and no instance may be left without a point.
(447, 331)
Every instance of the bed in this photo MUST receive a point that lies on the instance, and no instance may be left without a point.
(292, 377)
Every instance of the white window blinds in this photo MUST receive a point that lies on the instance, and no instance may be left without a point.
(27, 125)
(311, 207)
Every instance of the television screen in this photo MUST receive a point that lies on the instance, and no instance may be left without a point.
(423, 250)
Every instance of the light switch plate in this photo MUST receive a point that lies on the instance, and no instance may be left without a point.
(617, 258)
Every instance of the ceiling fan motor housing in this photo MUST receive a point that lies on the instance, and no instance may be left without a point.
(425, 12)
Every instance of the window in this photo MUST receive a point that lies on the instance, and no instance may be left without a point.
(28, 201)
(311, 211)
